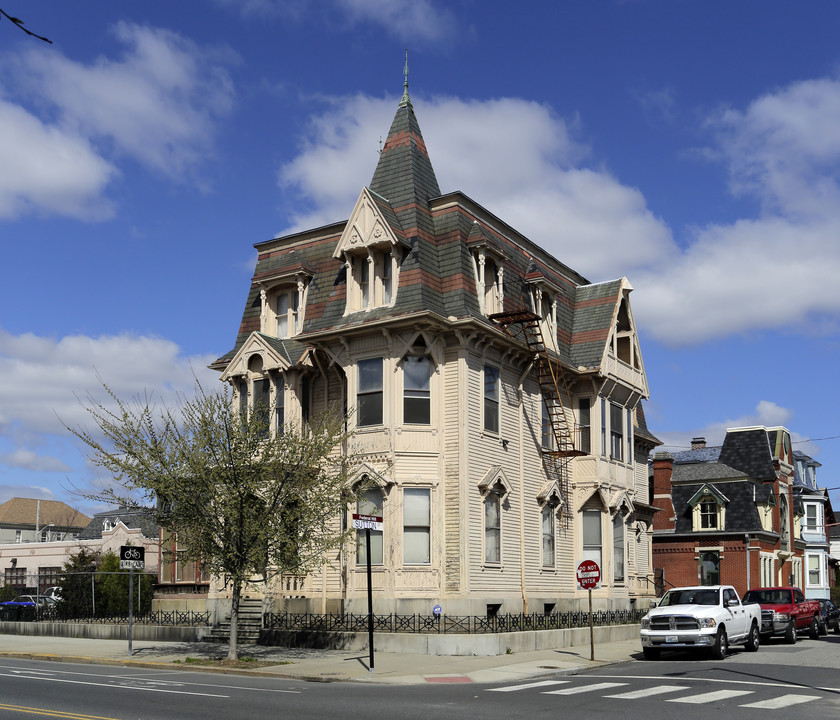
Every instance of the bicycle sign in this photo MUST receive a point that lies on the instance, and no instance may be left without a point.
(132, 557)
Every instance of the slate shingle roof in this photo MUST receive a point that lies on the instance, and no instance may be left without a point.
(130, 517)
(749, 451)
(437, 269)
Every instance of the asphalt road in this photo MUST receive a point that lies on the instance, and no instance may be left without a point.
(801, 678)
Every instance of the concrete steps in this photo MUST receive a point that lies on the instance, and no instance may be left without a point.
(250, 624)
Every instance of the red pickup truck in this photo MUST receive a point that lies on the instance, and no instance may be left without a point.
(785, 611)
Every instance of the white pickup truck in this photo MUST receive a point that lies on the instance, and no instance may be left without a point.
(710, 617)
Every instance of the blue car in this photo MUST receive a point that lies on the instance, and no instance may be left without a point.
(830, 617)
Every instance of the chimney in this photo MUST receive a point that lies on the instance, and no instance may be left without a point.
(663, 466)
(698, 443)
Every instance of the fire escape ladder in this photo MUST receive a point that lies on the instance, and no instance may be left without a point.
(524, 326)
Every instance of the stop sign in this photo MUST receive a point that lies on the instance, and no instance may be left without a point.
(588, 575)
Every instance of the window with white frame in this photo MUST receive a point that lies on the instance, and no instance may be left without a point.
(618, 548)
(286, 312)
(708, 514)
(628, 432)
(369, 503)
(616, 432)
(591, 522)
(584, 421)
(603, 426)
(493, 528)
(417, 373)
(548, 535)
(371, 279)
(491, 399)
(814, 564)
(548, 441)
(812, 517)
(489, 281)
(417, 526)
(766, 578)
(369, 394)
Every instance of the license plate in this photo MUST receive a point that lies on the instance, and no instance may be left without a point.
(671, 639)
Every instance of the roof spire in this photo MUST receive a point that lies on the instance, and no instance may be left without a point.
(405, 99)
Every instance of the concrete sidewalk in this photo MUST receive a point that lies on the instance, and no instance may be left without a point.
(324, 665)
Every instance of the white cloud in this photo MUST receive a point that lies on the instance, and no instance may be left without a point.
(49, 170)
(42, 380)
(775, 269)
(29, 460)
(410, 20)
(519, 161)
(157, 104)
(766, 413)
(779, 268)
(406, 19)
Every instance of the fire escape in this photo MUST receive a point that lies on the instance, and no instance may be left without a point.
(524, 326)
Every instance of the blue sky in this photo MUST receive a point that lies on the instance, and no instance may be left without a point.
(693, 147)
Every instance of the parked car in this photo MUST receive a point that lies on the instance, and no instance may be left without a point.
(708, 617)
(785, 611)
(53, 593)
(830, 617)
(23, 601)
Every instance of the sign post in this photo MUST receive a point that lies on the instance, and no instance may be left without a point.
(589, 577)
(368, 523)
(132, 558)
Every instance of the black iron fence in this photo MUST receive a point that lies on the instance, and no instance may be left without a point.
(441, 624)
(171, 618)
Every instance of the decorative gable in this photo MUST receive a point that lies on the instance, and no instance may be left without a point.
(271, 355)
(366, 228)
(495, 481)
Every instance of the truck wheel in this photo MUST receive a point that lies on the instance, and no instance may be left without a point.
(651, 653)
(814, 630)
(721, 646)
(753, 639)
(790, 633)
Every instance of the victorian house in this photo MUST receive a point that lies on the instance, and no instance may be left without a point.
(728, 514)
(495, 394)
(817, 519)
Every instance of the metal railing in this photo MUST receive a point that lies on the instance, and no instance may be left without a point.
(171, 618)
(443, 624)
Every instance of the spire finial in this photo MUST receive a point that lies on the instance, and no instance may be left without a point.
(405, 99)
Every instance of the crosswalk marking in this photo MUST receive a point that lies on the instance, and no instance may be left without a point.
(542, 683)
(710, 696)
(647, 692)
(584, 688)
(782, 702)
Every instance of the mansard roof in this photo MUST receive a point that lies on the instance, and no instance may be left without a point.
(748, 450)
(437, 239)
(741, 511)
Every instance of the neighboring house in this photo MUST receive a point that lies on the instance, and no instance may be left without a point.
(495, 393)
(39, 565)
(29, 520)
(816, 515)
(728, 514)
(834, 552)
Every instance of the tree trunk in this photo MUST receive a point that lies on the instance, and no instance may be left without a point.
(233, 643)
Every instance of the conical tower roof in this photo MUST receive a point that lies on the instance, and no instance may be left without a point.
(404, 175)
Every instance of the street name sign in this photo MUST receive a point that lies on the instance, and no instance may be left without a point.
(366, 522)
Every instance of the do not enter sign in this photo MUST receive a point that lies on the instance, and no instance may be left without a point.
(588, 575)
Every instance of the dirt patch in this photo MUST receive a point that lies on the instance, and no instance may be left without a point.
(244, 663)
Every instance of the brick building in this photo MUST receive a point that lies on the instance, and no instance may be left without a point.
(728, 514)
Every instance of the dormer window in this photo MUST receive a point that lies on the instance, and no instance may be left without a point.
(624, 343)
(286, 305)
(708, 509)
(489, 275)
(282, 299)
(370, 279)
